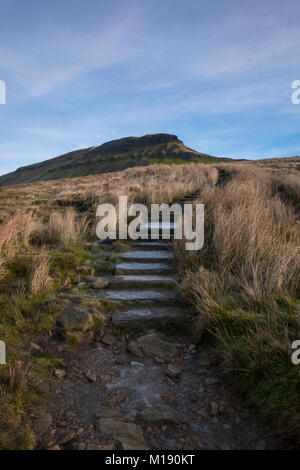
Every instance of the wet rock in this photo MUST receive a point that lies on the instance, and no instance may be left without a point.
(151, 345)
(173, 371)
(116, 400)
(160, 414)
(129, 436)
(101, 283)
(75, 318)
(59, 373)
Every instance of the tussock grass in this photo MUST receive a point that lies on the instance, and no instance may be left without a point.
(245, 284)
(39, 277)
(68, 228)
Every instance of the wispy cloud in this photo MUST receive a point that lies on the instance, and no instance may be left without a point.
(78, 75)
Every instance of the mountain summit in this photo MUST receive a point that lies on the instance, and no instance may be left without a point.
(111, 156)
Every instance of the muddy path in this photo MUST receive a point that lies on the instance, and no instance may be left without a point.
(144, 385)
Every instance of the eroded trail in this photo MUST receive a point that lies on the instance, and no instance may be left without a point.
(145, 386)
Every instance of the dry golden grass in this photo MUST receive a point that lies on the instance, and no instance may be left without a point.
(244, 283)
(39, 277)
(67, 228)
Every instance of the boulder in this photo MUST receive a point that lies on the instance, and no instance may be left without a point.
(128, 435)
(75, 318)
(151, 345)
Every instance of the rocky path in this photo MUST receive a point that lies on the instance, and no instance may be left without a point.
(145, 386)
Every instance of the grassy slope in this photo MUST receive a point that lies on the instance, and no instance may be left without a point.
(112, 156)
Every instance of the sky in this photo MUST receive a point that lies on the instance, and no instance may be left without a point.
(217, 73)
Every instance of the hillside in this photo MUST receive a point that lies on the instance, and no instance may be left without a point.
(111, 156)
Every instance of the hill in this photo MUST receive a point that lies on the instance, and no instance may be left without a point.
(111, 156)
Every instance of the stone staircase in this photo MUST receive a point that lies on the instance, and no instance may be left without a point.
(145, 280)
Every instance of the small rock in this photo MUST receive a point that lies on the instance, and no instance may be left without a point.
(34, 347)
(60, 373)
(56, 447)
(91, 376)
(202, 413)
(101, 283)
(173, 371)
(44, 422)
(116, 400)
(108, 340)
(64, 437)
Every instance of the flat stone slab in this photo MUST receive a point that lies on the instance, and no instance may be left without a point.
(151, 345)
(143, 268)
(152, 255)
(156, 296)
(160, 413)
(133, 281)
(151, 245)
(128, 435)
(132, 317)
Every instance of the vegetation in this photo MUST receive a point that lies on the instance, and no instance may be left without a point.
(244, 284)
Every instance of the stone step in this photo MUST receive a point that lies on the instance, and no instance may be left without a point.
(148, 281)
(151, 245)
(143, 268)
(148, 315)
(148, 256)
(143, 296)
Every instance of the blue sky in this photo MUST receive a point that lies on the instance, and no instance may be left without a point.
(216, 73)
